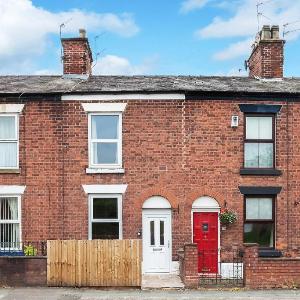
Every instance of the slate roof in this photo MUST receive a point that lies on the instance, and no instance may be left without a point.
(136, 84)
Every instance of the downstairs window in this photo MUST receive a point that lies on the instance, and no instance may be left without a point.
(10, 220)
(105, 217)
(259, 225)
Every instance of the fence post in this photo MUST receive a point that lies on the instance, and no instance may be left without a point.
(250, 264)
(190, 276)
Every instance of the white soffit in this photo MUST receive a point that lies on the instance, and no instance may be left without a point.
(104, 188)
(12, 189)
(11, 108)
(104, 107)
(103, 97)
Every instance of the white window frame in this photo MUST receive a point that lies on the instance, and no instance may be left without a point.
(118, 141)
(16, 140)
(118, 220)
(13, 221)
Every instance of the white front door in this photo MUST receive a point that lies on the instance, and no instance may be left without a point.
(156, 241)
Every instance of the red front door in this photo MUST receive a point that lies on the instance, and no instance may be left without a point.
(205, 235)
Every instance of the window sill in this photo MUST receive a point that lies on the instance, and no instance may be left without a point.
(104, 171)
(269, 253)
(260, 172)
(10, 171)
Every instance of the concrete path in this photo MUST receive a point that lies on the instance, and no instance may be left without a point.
(93, 294)
(159, 281)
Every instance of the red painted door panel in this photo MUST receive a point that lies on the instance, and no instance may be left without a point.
(205, 235)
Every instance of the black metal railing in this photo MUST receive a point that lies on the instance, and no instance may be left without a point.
(223, 267)
(27, 248)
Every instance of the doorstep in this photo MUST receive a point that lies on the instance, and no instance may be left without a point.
(161, 281)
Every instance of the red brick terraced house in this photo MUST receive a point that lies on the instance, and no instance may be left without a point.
(153, 157)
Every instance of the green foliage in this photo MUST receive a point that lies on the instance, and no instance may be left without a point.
(228, 217)
(29, 250)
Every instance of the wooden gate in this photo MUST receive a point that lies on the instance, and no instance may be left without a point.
(94, 263)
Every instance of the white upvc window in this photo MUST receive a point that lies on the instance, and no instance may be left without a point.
(9, 141)
(105, 140)
(105, 216)
(10, 222)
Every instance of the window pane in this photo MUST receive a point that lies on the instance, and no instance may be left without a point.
(105, 231)
(259, 128)
(105, 127)
(265, 155)
(259, 208)
(162, 233)
(8, 155)
(152, 240)
(9, 209)
(259, 233)
(265, 128)
(105, 208)
(105, 153)
(258, 155)
(9, 235)
(7, 128)
(251, 155)
(252, 128)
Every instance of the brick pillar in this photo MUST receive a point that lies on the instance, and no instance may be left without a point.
(250, 264)
(190, 276)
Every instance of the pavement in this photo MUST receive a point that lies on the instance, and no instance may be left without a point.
(128, 294)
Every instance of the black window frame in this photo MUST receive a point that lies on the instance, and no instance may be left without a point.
(261, 221)
(260, 141)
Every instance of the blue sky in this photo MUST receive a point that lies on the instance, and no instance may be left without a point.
(189, 37)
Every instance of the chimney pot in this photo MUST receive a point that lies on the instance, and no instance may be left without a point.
(82, 33)
(265, 33)
(275, 32)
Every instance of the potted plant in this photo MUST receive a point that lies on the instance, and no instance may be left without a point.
(30, 250)
(227, 217)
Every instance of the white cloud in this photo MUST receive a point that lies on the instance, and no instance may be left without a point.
(117, 65)
(234, 50)
(189, 5)
(243, 24)
(25, 29)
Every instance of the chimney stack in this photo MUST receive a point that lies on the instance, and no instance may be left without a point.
(266, 59)
(77, 55)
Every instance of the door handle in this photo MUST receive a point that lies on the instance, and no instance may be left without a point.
(157, 249)
(168, 244)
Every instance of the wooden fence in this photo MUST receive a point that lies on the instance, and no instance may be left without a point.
(94, 263)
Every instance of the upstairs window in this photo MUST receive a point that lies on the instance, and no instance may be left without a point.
(105, 140)
(259, 141)
(259, 222)
(9, 143)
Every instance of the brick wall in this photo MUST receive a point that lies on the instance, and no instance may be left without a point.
(268, 273)
(181, 150)
(188, 266)
(23, 271)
